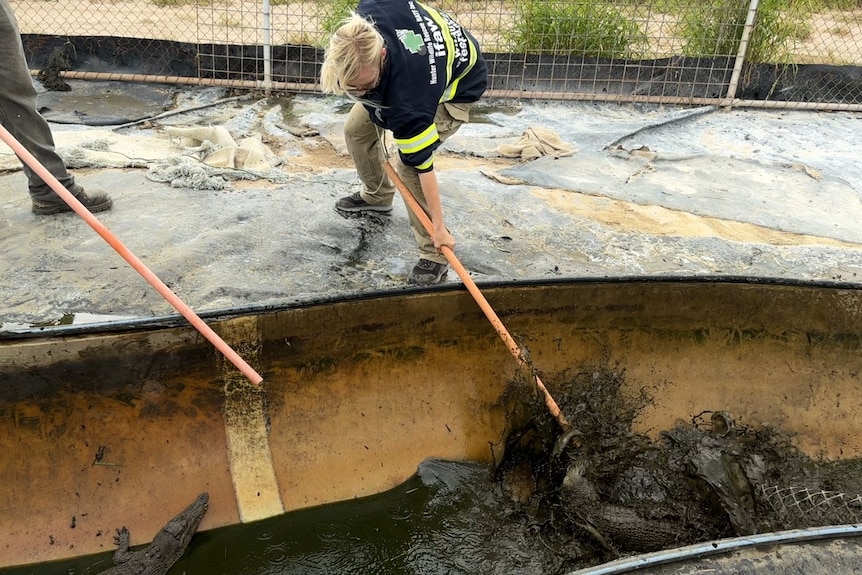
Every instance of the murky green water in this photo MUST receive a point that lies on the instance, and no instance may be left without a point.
(449, 518)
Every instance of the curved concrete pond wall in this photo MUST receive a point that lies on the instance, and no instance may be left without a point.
(124, 424)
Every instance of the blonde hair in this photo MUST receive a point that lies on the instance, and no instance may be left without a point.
(354, 46)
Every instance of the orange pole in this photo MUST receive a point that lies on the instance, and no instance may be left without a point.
(486, 308)
(127, 255)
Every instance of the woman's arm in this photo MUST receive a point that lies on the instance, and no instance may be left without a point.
(440, 235)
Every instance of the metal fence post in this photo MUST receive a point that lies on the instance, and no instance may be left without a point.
(267, 47)
(740, 55)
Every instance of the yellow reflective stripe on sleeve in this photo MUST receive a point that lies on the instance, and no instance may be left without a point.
(419, 142)
(427, 164)
(447, 38)
(451, 89)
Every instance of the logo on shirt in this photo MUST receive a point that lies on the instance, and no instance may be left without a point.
(412, 41)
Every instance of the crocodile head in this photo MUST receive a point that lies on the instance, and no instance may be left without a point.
(184, 525)
(577, 486)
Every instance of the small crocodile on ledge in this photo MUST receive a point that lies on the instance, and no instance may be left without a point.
(167, 547)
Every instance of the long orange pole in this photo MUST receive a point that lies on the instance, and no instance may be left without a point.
(127, 255)
(471, 286)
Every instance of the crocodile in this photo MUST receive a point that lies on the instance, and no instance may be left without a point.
(715, 458)
(614, 527)
(167, 547)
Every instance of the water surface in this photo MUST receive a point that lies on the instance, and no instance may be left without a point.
(448, 518)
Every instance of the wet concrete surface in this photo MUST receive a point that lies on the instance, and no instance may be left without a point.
(651, 191)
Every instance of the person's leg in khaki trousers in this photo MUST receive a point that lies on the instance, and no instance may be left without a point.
(448, 119)
(364, 141)
(366, 147)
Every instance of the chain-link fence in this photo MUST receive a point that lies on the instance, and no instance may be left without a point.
(741, 52)
(801, 507)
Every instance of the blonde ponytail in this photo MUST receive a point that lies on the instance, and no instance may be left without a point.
(355, 45)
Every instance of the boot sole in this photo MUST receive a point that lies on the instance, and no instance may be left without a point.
(439, 279)
(64, 208)
(370, 209)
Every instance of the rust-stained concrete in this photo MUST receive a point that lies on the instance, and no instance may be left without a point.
(124, 430)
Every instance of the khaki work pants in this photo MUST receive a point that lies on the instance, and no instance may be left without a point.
(365, 145)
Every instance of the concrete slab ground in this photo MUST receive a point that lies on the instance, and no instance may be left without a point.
(650, 191)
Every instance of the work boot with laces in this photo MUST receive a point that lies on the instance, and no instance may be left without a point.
(427, 272)
(355, 203)
(95, 201)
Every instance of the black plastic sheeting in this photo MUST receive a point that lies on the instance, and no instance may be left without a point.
(105, 103)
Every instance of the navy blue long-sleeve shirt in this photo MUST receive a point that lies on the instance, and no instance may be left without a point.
(430, 59)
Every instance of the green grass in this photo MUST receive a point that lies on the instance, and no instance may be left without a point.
(574, 28)
(333, 13)
(714, 28)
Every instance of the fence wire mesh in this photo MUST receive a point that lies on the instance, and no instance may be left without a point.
(800, 507)
(675, 51)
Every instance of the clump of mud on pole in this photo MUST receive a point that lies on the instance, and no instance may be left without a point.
(602, 490)
(49, 75)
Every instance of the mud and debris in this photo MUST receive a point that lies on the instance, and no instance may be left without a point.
(50, 76)
(602, 490)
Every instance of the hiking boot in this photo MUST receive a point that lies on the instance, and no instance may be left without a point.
(427, 272)
(355, 203)
(98, 201)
